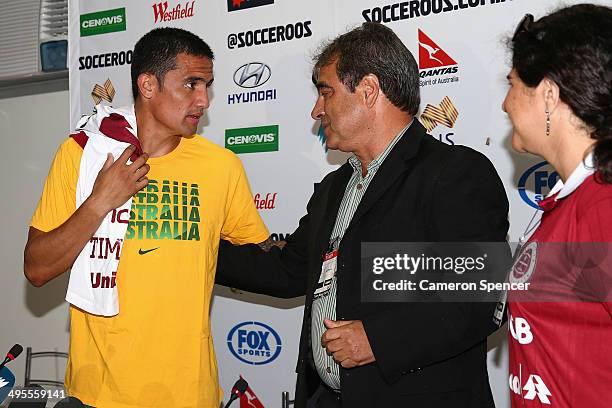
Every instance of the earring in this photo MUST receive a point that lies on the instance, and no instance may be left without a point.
(547, 122)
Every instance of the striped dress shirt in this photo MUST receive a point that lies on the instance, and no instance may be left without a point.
(324, 305)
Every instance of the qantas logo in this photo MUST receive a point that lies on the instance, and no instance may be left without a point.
(431, 55)
(249, 400)
(435, 65)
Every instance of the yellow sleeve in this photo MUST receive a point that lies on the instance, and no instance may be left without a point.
(243, 224)
(58, 200)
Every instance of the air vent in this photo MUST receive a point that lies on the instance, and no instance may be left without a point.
(53, 20)
(26, 26)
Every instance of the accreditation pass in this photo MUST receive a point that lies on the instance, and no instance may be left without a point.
(328, 271)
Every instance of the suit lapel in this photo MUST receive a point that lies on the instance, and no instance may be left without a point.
(396, 163)
(333, 199)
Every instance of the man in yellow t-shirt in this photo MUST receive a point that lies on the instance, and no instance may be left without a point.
(187, 194)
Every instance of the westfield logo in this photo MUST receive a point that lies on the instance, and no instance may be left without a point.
(265, 203)
(161, 12)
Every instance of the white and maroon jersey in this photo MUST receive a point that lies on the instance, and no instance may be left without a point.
(561, 351)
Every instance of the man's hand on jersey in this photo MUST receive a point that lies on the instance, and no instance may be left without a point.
(347, 343)
(117, 181)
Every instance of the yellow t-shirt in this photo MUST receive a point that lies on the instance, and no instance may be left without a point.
(158, 351)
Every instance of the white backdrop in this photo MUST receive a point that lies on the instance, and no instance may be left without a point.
(469, 72)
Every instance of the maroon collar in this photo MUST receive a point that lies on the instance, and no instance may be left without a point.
(549, 203)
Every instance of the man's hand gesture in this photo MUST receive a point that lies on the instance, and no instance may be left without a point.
(347, 342)
(117, 181)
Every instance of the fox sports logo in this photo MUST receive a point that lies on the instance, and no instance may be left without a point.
(254, 343)
(535, 183)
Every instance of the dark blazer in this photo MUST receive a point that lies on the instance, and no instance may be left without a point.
(427, 354)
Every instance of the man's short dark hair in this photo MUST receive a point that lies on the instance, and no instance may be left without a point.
(373, 48)
(155, 53)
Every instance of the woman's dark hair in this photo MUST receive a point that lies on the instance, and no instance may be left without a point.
(156, 52)
(573, 48)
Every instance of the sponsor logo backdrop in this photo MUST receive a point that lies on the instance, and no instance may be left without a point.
(263, 85)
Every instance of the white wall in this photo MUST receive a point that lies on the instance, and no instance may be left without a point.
(31, 128)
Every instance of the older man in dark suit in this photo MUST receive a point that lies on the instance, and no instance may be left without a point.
(401, 185)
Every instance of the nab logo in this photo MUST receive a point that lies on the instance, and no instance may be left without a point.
(254, 343)
(252, 75)
(431, 55)
(540, 179)
(534, 387)
(445, 114)
(104, 92)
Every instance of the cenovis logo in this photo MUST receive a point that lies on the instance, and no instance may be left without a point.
(535, 183)
(102, 22)
(252, 140)
(254, 343)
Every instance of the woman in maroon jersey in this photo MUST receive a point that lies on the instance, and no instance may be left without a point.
(560, 106)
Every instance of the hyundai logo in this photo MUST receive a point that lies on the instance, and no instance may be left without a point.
(252, 75)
